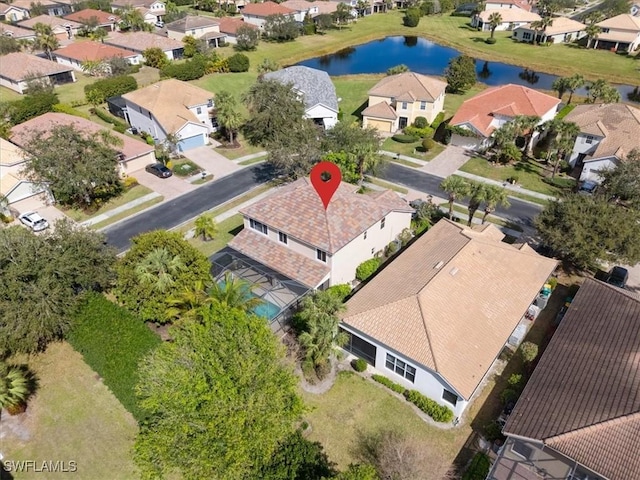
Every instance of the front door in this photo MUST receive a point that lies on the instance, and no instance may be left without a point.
(402, 122)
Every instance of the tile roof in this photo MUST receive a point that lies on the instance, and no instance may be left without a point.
(618, 123)
(169, 101)
(624, 21)
(20, 134)
(518, 3)
(297, 211)
(10, 154)
(191, 22)
(140, 41)
(83, 51)
(618, 36)
(326, 6)
(510, 15)
(16, 32)
(300, 5)
(19, 65)
(582, 399)
(559, 25)
(230, 25)
(48, 20)
(451, 300)
(265, 9)
(281, 259)
(509, 100)
(85, 16)
(380, 110)
(417, 86)
(315, 85)
(4, 8)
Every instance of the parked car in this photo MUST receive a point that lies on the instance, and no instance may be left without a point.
(34, 221)
(588, 188)
(160, 24)
(618, 276)
(159, 170)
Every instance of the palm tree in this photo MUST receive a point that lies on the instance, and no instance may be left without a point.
(206, 226)
(525, 126)
(94, 68)
(98, 34)
(227, 112)
(234, 292)
(503, 136)
(456, 188)
(536, 26)
(495, 19)
(46, 40)
(477, 195)
(493, 197)
(188, 301)
(593, 31)
(14, 386)
(574, 82)
(560, 85)
(159, 269)
(545, 23)
(562, 137)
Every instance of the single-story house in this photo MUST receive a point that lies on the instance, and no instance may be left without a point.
(397, 100)
(493, 107)
(290, 231)
(16, 32)
(54, 8)
(12, 13)
(579, 414)
(608, 132)
(562, 30)
(17, 68)
(437, 317)
(76, 54)
(97, 18)
(511, 19)
(229, 26)
(508, 4)
(62, 28)
(621, 32)
(152, 11)
(257, 13)
(316, 89)
(138, 42)
(196, 26)
(133, 155)
(172, 107)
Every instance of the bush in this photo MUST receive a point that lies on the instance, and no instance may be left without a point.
(553, 281)
(112, 341)
(418, 133)
(427, 8)
(359, 365)
(411, 17)
(515, 381)
(438, 120)
(479, 467)
(189, 70)
(404, 138)
(69, 110)
(420, 122)
(391, 249)
(405, 236)
(438, 412)
(238, 62)
(341, 291)
(508, 395)
(428, 144)
(367, 268)
(563, 183)
(111, 87)
(31, 106)
(120, 128)
(491, 40)
(389, 384)
(493, 432)
(130, 182)
(104, 116)
(528, 352)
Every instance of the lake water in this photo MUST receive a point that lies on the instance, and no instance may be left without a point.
(424, 56)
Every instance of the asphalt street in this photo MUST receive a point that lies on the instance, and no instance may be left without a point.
(174, 212)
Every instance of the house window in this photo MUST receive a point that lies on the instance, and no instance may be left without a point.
(423, 105)
(382, 222)
(365, 235)
(521, 449)
(450, 397)
(199, 110)
(404, 105)
(193, 32)
(321, 255)
(526, 36)
(589, 139)
(283, 238)
(210, 103)
(401, 368)
(150, 115)
(261, 227)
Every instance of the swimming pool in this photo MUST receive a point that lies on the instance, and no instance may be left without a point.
(266, 309)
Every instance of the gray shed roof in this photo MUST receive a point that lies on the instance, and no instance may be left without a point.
(315, 85)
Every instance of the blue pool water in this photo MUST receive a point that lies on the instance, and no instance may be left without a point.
(265, 309)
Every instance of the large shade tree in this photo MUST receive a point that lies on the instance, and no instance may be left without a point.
(461, 74)
(622, 183)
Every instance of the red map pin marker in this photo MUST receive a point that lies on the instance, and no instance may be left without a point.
(325, 188)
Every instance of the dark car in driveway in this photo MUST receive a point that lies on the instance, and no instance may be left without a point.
(159, 170)
(618, 276)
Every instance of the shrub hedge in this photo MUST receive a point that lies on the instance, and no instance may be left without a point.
(341, 290)
(400, 138)
(104, 116)
(479, 467)
(438, 412)
(417, 133)
(69, 110)
(389, 384)
(359, 365)
(112, 342)
(189, 70)
(112, 87)
(367, 268)
(437, 121)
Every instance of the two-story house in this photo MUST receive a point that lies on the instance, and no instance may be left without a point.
(291, 232)
(608, 132)
(90, 17)
(62, 28)
(257, 13)
(302, 8)
(12, 13)
(138, 42)
(196, 26)
(619, 33)
(152, 11)
(172, 107)
(397, 100)
(487, 111)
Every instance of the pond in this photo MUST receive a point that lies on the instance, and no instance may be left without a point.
(424, 56)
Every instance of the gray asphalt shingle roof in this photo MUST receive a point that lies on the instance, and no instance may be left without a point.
(315, 85)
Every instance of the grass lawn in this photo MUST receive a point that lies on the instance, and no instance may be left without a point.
(244, 149)
(390, 186)
(73, 416)
(252, 161)
(227, 229)
(352, 92)
(128, 196)
(235, 83)
(127, 213)
(412, 149)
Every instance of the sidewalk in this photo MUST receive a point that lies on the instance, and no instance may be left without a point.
(122, 208)
(403, 157)
(250, 157)
(507, 186)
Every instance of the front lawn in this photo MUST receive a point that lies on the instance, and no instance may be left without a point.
(414, 149)
(127, 196)
(243, 150)
(227, 229)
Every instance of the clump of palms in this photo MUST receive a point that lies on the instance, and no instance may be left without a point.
(14, 387)
(45, 40)
(456, 188)
(205, 226)
(562, 136)
(159, 269)
(494, 196)
(234, 292)
(188, 300)
(477, 195)
(228, 114)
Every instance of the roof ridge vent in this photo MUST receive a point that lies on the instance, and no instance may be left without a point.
(439, 265)
(453, 271)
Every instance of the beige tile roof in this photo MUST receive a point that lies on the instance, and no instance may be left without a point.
(20, 134)
(510, 15)
(415, 85)
(19, 65)
(380, 110)
(190, 22)
(265, 9)
(4, 8)
(518, 3)
(326, 6)
(624, 21)
(618, 36)
(559, 25)
(619, 123)
(297, 211)
(169, 101)
(10, 154)
(140, 41)
(299, 5)
(48, 20)
(86, 15)
(83, 51)
(451, 300)
(230, 25)
(281, 259)
(16, 32)
(8, 182)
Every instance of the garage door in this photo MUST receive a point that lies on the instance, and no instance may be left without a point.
(381, 125)
(190, 142)
(469, 143)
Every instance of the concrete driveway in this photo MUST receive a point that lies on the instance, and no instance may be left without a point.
(633, 284)
(213, 162)
(169, 188)
(447, 162)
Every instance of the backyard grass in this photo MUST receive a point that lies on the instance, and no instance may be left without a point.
(128, 196)
(235, 83)
(73, 416)
(352, 92)
(227, 229)
(127, 213)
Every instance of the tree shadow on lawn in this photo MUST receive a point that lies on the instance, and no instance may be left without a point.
(526, 166)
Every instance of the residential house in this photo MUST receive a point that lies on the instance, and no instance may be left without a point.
(95, 18)
(302, 8)
(619, 33)
(512, 18)
(437, 317)
(200, 27)
(76, 54)
(493, 107)
(508, 4)
(133, 154)
(397, 100)
(16, 32)
(62, 28)
(315, 89)
(257, 13)
(12, 13)
(579, 414)
(608, 132)
(562, 30)
(138, 42)
(172, 107)
(152, 11)
(229, 26)
(55, 8)
(291, 233)
(17, 68)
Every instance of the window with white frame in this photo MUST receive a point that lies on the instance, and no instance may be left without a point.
(450, 397)
(260, 227)
(589, 139)
(401, 368)
(526, 36)
(199, 110)
(283, 238)
(382, 222)
(321, 255)
(404, 105)
(423, 105)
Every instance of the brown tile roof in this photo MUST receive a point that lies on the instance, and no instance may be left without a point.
(624, 21)
(83, 51)
(451, 300)
(230, 25)
(619, 123)
(85, 16)
(518, 3)
(415, 85)
(191, 22)
(20, 134)
(169, 101)
(509, 100)
(326, 6)
(10, 154)
(297, 211)
(18, 65)
(300, 5)
(265, 9)
(48, 20)
(582, 399)
(140, 41)
(281, 259)
(559, 25)
(16, 32)
(510, 15)
(380, 110)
